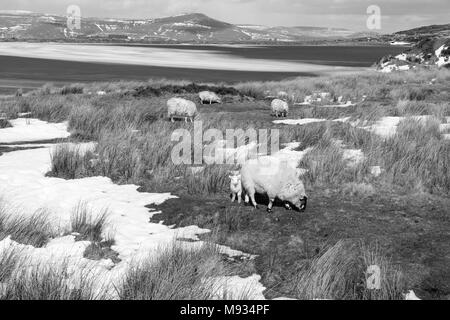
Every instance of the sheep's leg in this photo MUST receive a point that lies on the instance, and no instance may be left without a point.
(239, 196)
(269, 207)
(252, 198)
(171, 119)
(233, 196)
(287, 206)
(246, 199)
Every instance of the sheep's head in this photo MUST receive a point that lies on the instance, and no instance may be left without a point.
(235, 179)
(300, 203)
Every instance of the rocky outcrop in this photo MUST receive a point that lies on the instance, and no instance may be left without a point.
(429, 52)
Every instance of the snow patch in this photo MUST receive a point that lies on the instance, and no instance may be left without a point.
(25, 129)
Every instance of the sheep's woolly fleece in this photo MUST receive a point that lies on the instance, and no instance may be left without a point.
(23, 183)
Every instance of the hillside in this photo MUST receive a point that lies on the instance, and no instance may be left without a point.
(194, 27)
(427, 52)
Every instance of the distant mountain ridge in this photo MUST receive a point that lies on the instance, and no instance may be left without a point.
(192, 27)
(187, 28)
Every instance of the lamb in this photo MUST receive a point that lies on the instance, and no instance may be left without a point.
(267, 175)
(209, 97)
(236, 187)
(181, 108)
(279, 108)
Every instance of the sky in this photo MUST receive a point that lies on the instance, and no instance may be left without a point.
(352, 14)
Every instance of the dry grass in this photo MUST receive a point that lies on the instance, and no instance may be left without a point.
(89, 226)
(176, 273)
(32, 229)
(340, 273)
(49, 282)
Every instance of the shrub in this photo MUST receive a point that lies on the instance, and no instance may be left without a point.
(72, 89)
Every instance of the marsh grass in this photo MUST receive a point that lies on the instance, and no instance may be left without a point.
(176, 272)
(49, 282)
(68, 162)
(89, 225)
(4, 123)
(9, 258)
(416, 157)
(34, 229)
(340, 273)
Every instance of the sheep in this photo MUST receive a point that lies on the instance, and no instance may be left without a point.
(267, 175)
(209, 97)
(235, 187)
(279, 108)
(181, 108)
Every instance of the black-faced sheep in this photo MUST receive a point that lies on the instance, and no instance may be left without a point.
(279, 108)
(181, 108)
(277, 180)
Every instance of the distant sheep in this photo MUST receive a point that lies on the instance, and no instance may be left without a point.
(279, 108)
(277, 180)
(235, 187)
(282, 95)
(181, 108)
(209, 97)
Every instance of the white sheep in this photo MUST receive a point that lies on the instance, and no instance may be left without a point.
(181, 108)
(276, 179)
(279, 108)
(209, 97)
(235, 187)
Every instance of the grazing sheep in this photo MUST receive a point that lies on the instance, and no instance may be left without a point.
(235, 187)
(274, 178)
(209, 97)
(282, 95)
(181, 108)
(279, 108)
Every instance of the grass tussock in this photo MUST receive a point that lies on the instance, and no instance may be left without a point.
(49, 282)
(176, 273)
(9, 259)
(340, 273)
(89, 226)
(34, 230)
(4, 123)
(68, 162)
(72, 89)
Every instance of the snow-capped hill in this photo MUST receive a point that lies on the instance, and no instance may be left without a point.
(188, 27)
(429, 52)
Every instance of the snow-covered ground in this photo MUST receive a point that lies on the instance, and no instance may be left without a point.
(24, 185)
(28, 130)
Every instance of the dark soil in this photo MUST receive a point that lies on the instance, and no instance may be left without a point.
(413, 231)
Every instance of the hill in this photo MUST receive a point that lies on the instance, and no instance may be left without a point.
(193, 27)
